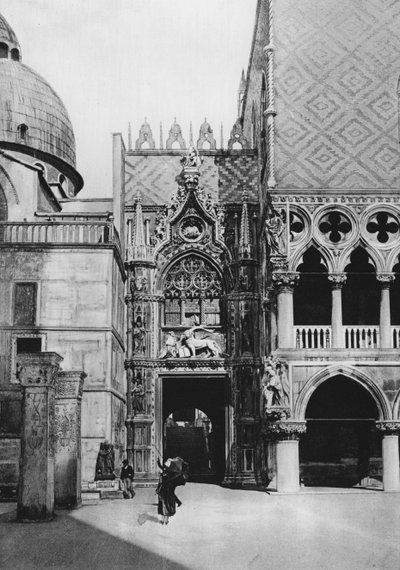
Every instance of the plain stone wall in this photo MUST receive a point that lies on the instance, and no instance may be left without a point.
(81, 319)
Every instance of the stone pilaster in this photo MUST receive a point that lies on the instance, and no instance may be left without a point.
(37, 374)
(67, 483)
(390, 454)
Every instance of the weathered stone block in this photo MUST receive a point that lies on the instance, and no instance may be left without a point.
(37, 374)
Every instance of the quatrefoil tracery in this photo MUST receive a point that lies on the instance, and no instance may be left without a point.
(192, 277)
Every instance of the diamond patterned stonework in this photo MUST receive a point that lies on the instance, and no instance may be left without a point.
(336, 81)
(225, 176)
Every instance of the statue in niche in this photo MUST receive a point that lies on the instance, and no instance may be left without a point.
(275, 383)
(192, 159)
(138, 395)
(105, 462)
(139, 333)
(275, 232)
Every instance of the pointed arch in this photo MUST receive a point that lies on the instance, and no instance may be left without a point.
(351, 372)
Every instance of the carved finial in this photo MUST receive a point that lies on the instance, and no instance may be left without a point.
(244, 239)
(145, 139)
(206, 136)
(191, 134)
(161, 137)
(129, 137)
(237, 139)
(175, 136)
(138, 237)
(242, 84)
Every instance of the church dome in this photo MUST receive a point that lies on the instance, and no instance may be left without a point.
(33, 119)
(8, 37)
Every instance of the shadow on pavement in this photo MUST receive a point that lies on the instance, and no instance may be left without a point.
(68, 543)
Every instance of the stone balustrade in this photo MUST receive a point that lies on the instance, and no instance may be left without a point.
(355, 337)
(65, 232)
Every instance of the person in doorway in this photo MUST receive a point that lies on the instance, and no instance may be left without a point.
(127, 480)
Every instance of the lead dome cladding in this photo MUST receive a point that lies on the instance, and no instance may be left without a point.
(33, 118)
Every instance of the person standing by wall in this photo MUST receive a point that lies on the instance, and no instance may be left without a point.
(127, 480)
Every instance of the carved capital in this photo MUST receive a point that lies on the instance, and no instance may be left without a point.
(337, 280)
(70, 384)
(38, 369)
(282, 430)
(284, 279)
(388, 427)
(385, 279)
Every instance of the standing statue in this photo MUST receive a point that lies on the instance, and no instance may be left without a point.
(139, 333)
(275, 382)
(170, 350)
(138, 395)
(105, 462)
(275, 233)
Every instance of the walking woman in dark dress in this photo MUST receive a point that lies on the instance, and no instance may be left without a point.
(174, 473)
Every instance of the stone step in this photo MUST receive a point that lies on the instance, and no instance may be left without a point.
(111, 494)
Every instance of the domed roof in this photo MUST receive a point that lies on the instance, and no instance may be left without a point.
(33, 119)
(7, 33)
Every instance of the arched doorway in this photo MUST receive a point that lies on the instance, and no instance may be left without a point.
(341, 447)
(194, 424)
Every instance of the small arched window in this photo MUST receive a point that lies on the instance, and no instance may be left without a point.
(15, 54)
(3, 50)
(22, 131)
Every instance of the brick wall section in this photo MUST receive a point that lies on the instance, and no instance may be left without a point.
(223, 174)
(336, 82)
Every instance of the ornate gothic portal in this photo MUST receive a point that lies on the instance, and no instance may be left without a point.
(192, 335)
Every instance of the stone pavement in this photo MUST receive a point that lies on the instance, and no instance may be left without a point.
(214, 529)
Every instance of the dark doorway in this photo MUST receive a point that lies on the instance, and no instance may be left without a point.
(194, 424)
(342, 447)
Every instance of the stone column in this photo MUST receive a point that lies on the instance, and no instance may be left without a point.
(287, 434)
(67, 478)
(338, 280)
(390, 454)
(385, 340)
(37, 373)
(285, 283)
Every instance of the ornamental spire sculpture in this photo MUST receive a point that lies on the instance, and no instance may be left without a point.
(245, 248)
